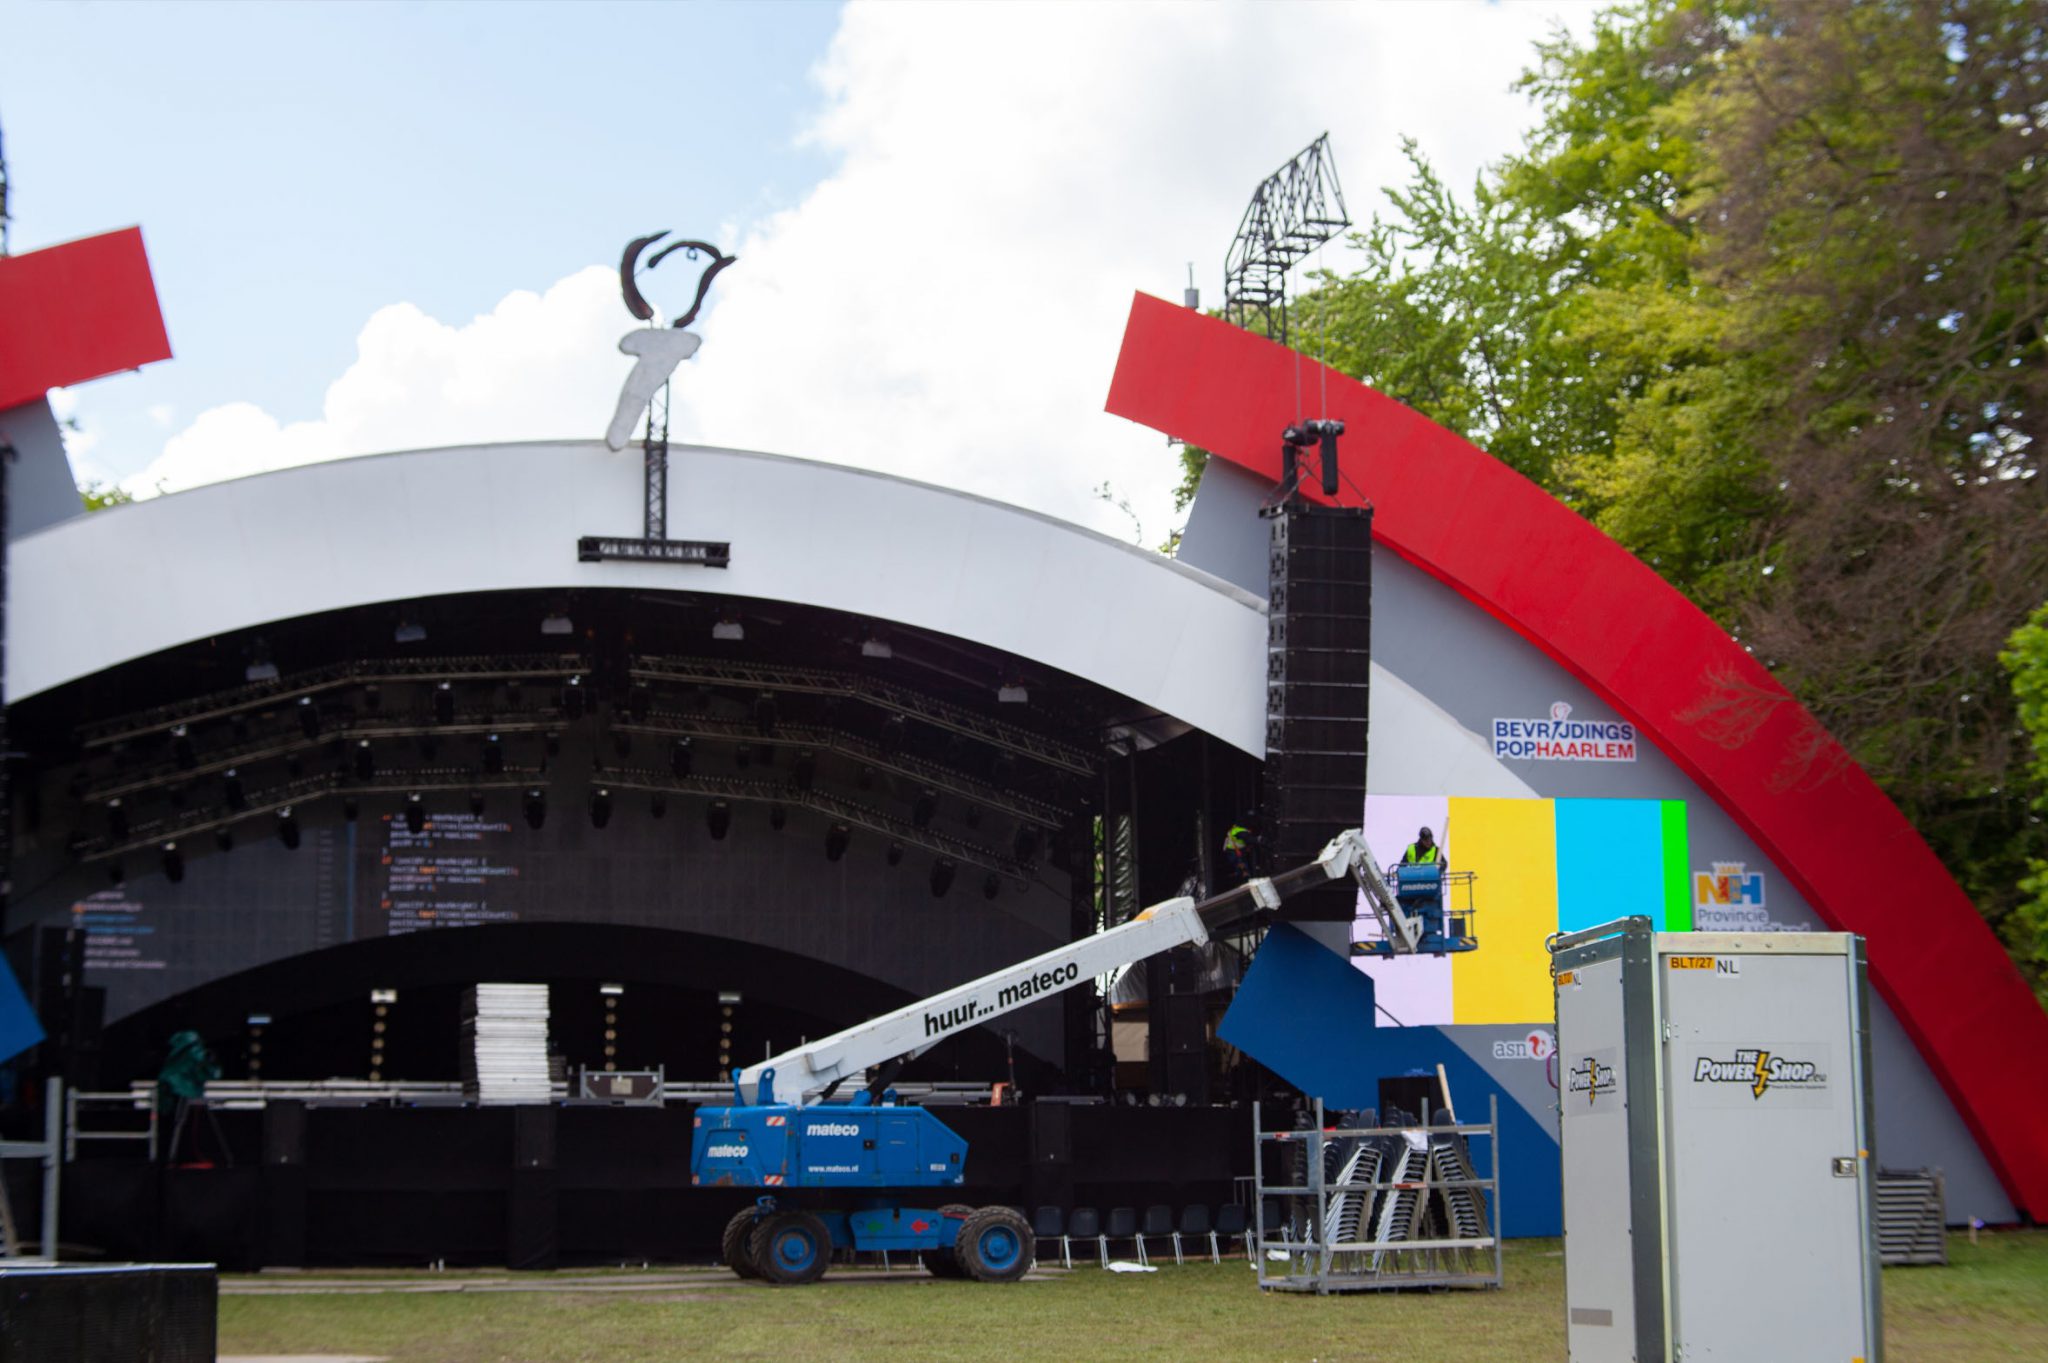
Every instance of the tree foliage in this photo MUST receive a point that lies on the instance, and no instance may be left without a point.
(1762, 294)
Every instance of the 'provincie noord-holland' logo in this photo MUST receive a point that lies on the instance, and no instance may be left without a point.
(1564, 739)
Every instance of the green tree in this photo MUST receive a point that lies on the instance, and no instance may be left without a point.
(99, 496)
(2026, 932)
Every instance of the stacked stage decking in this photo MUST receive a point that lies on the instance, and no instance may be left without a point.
(505, 1043)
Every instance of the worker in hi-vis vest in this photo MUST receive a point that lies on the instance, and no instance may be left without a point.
(1237, 851)
(1423, 851)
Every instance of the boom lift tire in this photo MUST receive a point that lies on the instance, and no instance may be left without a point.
(791, 1248)
(943, 1262)
(736, 1245)
(995, 1245)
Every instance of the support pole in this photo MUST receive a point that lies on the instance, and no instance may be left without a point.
(53, 1162)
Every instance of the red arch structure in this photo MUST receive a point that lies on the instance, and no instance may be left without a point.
(1506, 545)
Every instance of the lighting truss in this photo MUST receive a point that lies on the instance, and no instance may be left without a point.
(303, 790)
(313, 681)
(823, 681)
(845, 811)
(1293, 211)
(669, 724)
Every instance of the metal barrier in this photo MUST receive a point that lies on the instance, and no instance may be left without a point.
(50, 1150)
(1375, 1208)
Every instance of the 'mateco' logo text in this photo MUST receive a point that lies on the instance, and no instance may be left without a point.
(1760, 1071)
(831, 1129)
(727, 1151)
(1590, 1077)
(1008, 997)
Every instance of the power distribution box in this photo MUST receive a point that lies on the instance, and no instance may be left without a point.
(1715, 1128)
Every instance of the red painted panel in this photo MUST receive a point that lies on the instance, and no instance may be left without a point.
(1608, 619)
(74, 312)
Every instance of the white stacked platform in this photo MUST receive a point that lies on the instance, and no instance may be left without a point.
(505, 1043)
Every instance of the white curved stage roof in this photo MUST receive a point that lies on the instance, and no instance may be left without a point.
(117, 585)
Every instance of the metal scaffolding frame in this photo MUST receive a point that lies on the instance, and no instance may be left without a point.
(1293, 211)
(1372, 1208)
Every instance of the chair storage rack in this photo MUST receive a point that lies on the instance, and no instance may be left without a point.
(1369, 1209)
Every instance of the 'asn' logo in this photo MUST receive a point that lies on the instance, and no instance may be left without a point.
(1537, 1045)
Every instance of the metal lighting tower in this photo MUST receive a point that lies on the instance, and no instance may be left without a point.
(1293, 211)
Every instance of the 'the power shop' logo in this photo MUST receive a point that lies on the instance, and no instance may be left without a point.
(1761, 1071)
(1590, 1077)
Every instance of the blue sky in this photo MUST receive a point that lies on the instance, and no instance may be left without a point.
(294, 167)
(379, 226)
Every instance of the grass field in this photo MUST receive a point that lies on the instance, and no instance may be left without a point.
(1990, 1303)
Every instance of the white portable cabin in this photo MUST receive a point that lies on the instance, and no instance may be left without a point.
(1716, 1134)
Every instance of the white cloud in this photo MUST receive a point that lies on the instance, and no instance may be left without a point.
(948, 304)
(537, 365)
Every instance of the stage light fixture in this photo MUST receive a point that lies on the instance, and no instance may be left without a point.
(366, 761)
(729, 627)
(572, 698)
(805, 768)
(415, 814)
(866, 779)
(1013, 693)
(552, 742)
(764, 753)
(895, 854)
(288, 828)
(778, 817)
(611, 990)
(409, 631)
(351, 808)
(924, 807)
(427, 745)
(640, 704)
(600, 807)
(262, 670)
(836, 839)
(679, 757)
(743, 756)
(224, 839)
(893, 730)
(764, 713)
(182, 749)
(658, 806)
(622, 743)
(536, 805)
(875, 646)
(444, 703)
(476, 803)
(971, 815)
(1025, 844)
(309, 717)
(942, 876)
(718, 818)
(117, 820)
(174, 863)
(991, 885)
(231, 786)
(494, 756)
(557, 622)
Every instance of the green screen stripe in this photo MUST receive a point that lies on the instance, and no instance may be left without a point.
(1677, 886)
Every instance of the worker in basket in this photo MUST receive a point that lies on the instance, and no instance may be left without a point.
(1423, 851)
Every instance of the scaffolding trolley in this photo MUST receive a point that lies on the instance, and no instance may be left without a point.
(1369, 1208)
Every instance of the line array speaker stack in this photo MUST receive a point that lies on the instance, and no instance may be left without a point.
(1318, 683)
(505, 1043)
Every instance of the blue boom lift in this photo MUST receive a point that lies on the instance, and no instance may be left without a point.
(864, 1173)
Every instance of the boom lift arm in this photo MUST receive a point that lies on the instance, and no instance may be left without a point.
(811, 1073)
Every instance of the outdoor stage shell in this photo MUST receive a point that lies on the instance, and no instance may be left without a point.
(1186, 639)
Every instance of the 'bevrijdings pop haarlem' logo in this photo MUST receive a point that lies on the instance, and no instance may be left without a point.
(1561, 738)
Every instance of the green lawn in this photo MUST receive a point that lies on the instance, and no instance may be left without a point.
(1990, 1303)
